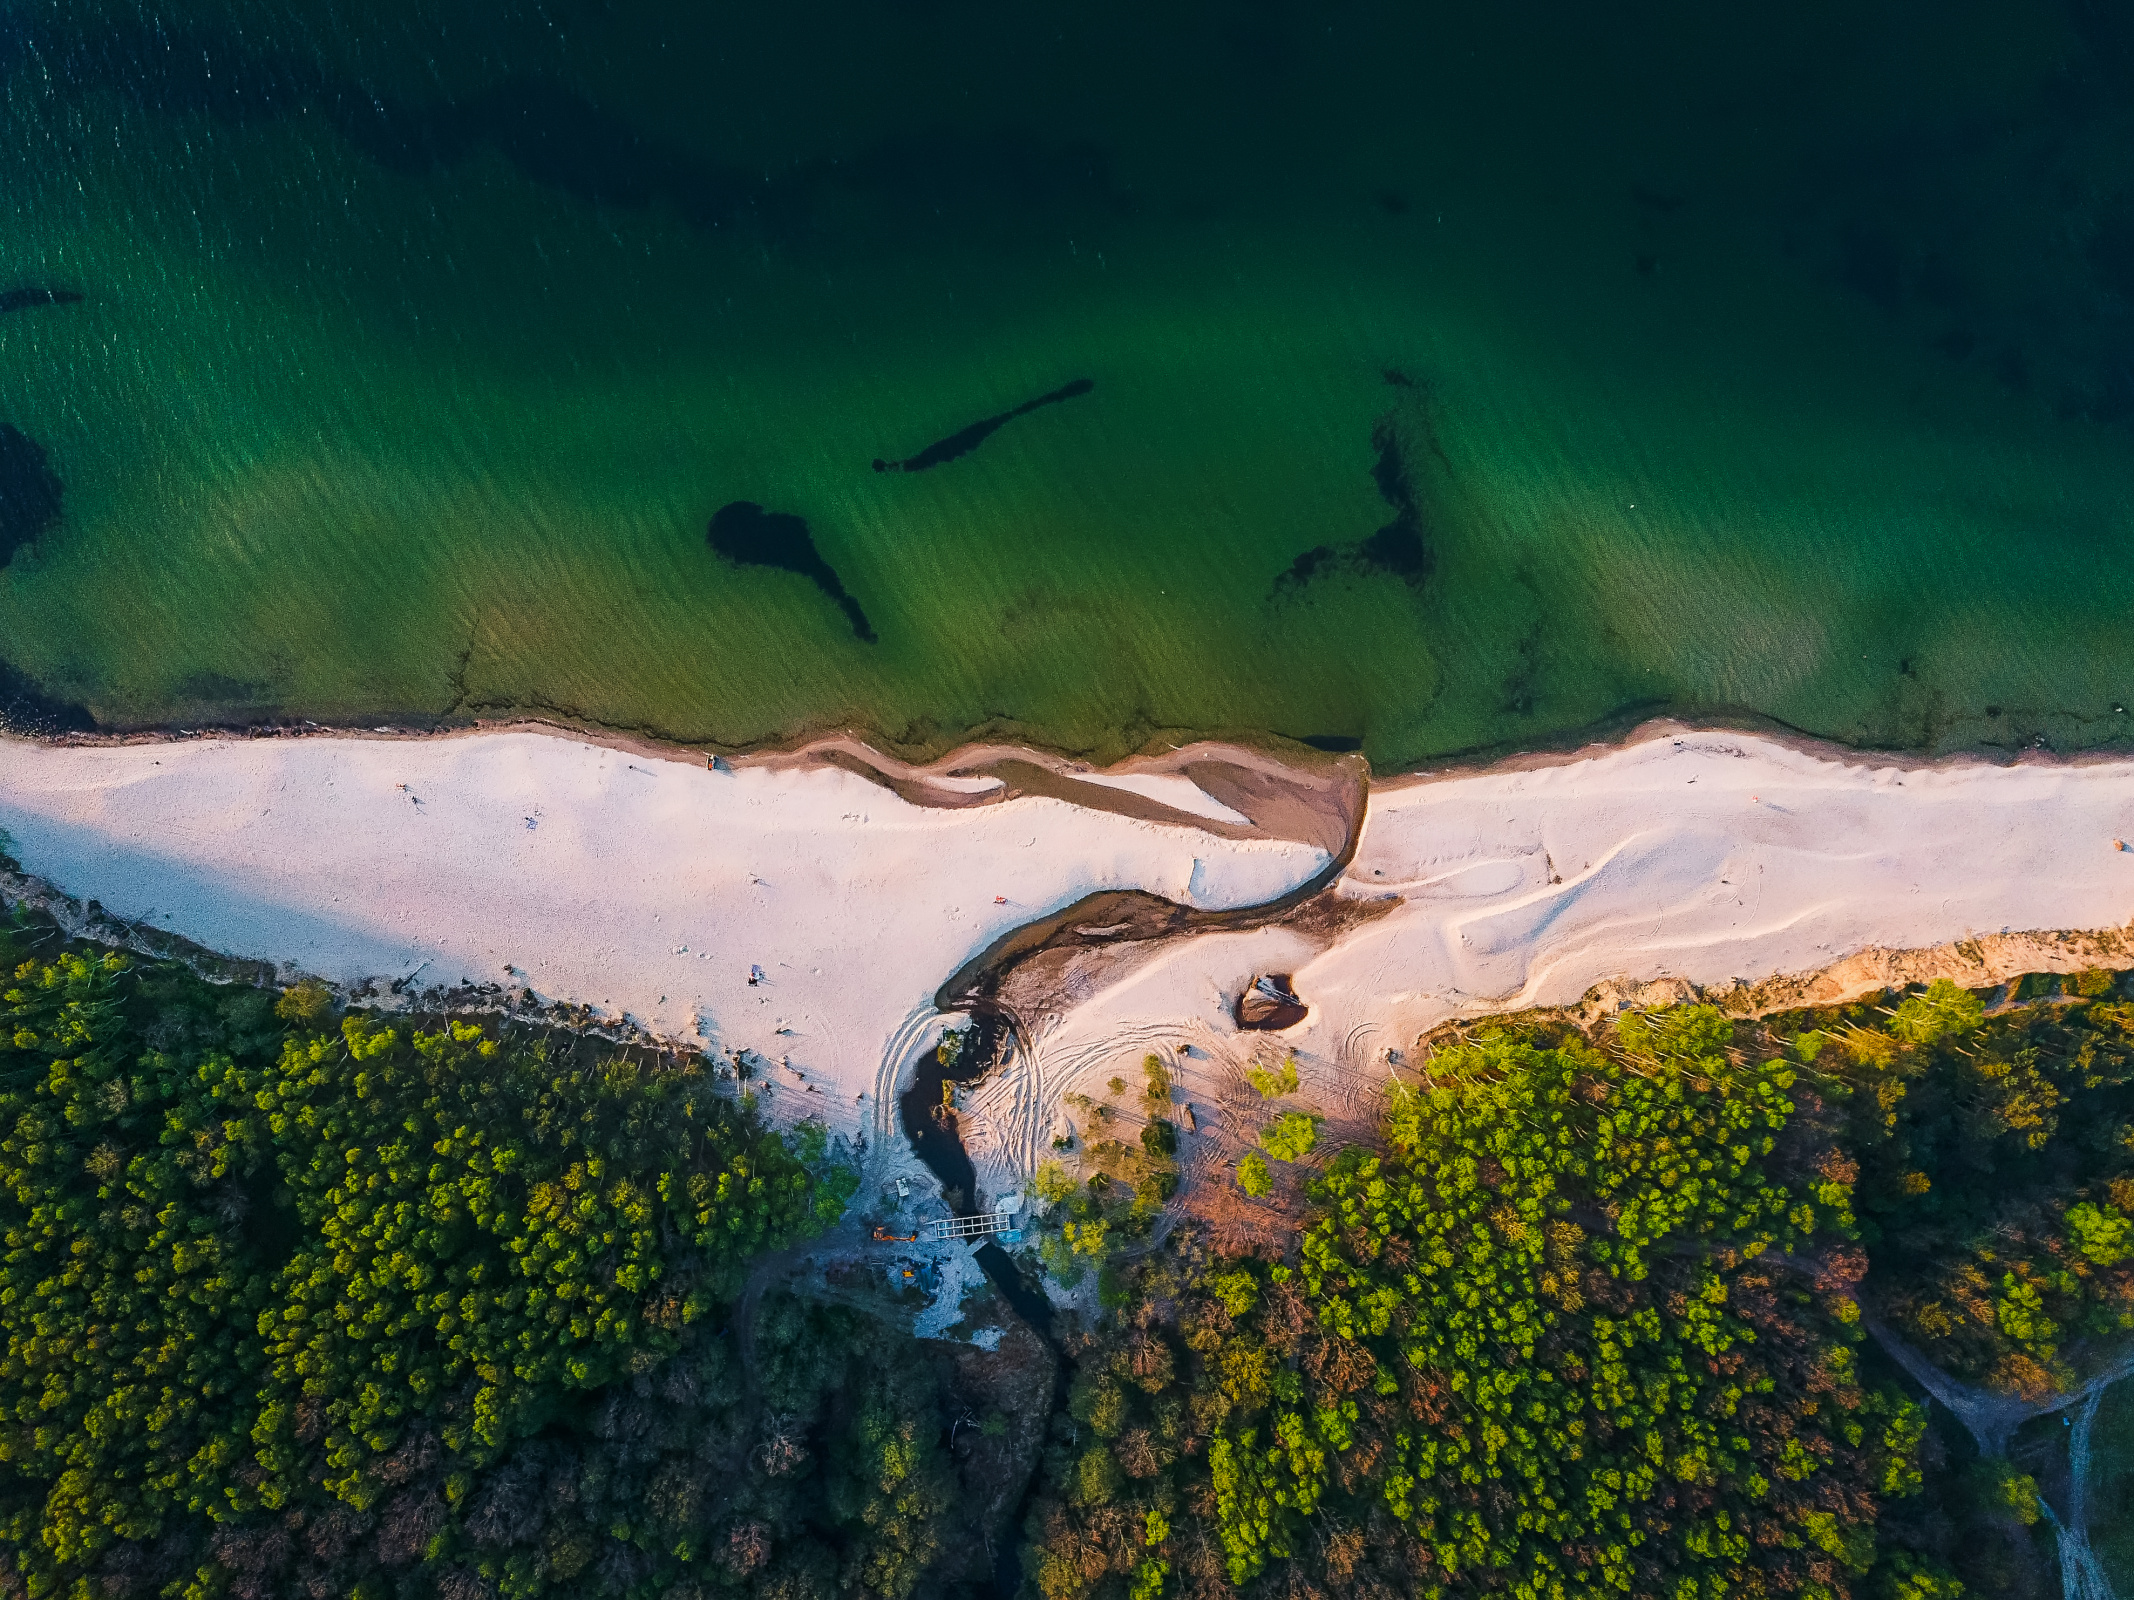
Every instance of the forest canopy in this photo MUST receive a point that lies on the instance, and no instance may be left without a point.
(1604, 1314)
(286, 1296)
(311, 1302)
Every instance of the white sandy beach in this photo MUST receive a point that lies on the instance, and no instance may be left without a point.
(647, 887)
(1708, 857)
(655, 887)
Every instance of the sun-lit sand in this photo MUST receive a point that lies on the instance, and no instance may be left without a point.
(659, 888)
(1702, 856)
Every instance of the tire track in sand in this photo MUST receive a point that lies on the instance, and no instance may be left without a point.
(897, 1053)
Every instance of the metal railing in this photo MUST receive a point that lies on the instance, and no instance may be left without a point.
(970, 1227)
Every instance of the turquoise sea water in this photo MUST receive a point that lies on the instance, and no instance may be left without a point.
(1453, 381)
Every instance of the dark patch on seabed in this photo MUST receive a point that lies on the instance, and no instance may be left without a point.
(747, 535)
(1397, 547)
(218, 689)
(30, 492)
(965, 440)
(25, 708)
(1397, 550)
(24, 299)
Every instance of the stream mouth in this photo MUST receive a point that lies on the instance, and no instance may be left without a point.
(1106, 921)
(1112, 919)
(1102, 922)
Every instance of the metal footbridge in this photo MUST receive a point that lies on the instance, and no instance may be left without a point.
(1004, 1219)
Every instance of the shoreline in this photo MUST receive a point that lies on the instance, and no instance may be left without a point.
(920, 781)
(1629, 725)
(1533, 883)
(791, 909)
(1258, 749)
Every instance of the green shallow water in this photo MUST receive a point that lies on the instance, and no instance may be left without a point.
(1782, 369)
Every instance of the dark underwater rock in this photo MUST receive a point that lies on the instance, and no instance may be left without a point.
(1400, 549)
(749, 536)
(965, 440)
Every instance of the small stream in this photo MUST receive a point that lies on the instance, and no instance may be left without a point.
(929, 1123)
(1992, 1419)
(931, 1126)
(2082, 1575)
(1125, 916)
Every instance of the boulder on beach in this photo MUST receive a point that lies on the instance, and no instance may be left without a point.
(1270, 1004)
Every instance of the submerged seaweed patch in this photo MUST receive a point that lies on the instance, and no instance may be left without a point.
(29, 492)
(25, 708)
(24, 299)
(965, 440)
(219, 689)
(1320, 557)
(747, 535)
(1398, 549)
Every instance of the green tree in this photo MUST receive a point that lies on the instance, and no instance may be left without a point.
(264, 1274)
(1995, 1182)
(1571, 1356)
(1156, 1097)
(131, 1281)
(1292, 1136)
(895, 1488)
(1943, 1010)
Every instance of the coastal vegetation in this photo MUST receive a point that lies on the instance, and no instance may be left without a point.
(298, 1303)
(305, 1300)
(1613, 1312)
